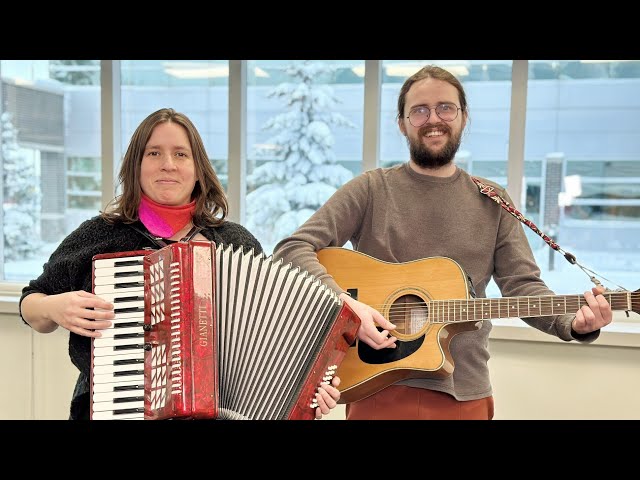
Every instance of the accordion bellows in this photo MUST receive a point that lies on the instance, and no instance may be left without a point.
(206, 330)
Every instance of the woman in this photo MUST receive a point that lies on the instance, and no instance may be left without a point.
(169, 192)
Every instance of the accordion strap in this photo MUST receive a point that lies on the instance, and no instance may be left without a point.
(159, 241)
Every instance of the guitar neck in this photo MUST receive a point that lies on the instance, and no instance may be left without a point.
(449, 311)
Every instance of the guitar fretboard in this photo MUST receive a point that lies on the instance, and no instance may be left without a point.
(450, 311)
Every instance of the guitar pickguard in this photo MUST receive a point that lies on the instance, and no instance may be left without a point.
(387, 355)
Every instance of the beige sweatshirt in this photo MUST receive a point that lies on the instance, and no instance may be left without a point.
(398, 215)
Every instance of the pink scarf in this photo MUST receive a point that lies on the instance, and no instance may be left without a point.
(164, 220)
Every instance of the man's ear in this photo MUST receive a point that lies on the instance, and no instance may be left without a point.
(402, 128)
(464, 121)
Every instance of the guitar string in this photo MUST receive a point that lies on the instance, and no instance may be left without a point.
(399, 318)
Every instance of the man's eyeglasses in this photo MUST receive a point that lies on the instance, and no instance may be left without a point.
(420, 115)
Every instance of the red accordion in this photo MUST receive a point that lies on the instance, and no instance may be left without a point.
(207, 331)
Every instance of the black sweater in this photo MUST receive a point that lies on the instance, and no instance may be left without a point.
(70, 268)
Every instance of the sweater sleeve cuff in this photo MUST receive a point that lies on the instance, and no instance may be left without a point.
(567, 333)
(585, 337)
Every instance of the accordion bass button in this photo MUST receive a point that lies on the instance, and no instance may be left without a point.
(146, 327)
(147, 347)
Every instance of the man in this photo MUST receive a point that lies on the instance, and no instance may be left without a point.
(428, 207)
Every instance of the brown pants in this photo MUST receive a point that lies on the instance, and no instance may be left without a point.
(399, 402)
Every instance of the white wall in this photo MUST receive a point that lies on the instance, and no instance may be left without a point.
(533, 378)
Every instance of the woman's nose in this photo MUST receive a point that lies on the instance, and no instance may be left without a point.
(167, 162)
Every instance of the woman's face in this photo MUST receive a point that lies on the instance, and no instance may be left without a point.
(167, 172)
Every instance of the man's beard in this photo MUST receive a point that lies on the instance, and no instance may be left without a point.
(425, 158)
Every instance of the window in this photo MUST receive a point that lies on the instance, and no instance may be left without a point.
(581, 129)
(304, 140)
(199, 89)
(43, 129)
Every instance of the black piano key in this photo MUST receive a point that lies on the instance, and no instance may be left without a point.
(128, 373)
(124, 411)
(125, 388)
(129, 324)
(129, 361)
(127, 263)
(128, 399)
(128, 309)
(129, 285)
(129, 347)
(127, 274)
(122, 336)
(128, 299)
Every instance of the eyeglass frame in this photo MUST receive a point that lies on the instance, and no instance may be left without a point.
(433, 108)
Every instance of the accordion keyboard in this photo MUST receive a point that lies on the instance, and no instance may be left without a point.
(117, 376)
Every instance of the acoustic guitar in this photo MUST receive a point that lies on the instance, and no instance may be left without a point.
(429, 301)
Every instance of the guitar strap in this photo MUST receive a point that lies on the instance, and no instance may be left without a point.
(490, 192)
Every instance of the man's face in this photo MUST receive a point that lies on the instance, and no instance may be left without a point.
(435, 143)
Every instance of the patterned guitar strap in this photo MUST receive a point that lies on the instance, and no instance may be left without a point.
(490, 192)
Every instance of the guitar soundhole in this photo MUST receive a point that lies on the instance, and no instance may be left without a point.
(409, 313)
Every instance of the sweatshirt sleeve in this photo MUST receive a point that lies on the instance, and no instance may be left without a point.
(332, 225)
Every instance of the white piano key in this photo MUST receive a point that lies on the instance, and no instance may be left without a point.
(111, 387)
(115, 342)
(109, 288)
(110, 262)
(109, 396)
(111, 332)
(118, 272)
(109, 360)
(111, 369)
(116, 294)
(112, 406)
(109, 378)
(118, 281)
(110, 351)
(128, 316)
(111, 416)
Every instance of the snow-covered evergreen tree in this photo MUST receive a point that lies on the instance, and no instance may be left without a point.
(21, 197)
(302, 172)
